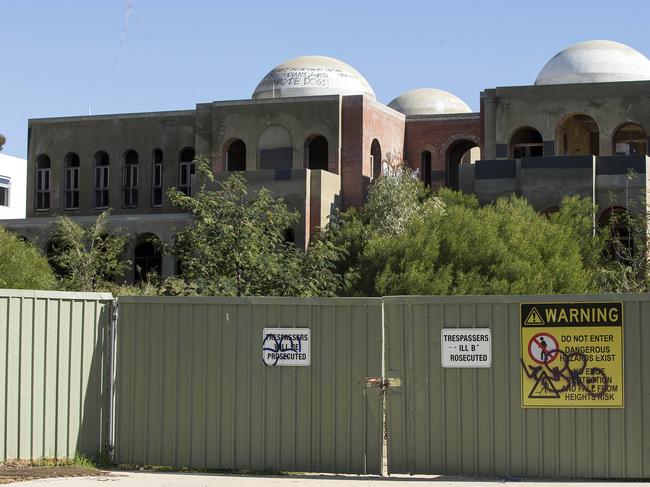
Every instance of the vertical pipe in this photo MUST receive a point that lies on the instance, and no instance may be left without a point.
(112, 349)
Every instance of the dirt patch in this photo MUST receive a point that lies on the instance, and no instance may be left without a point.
(19, 472)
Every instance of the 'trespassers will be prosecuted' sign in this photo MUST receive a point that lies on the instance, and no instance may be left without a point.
(286, 346)
(466, 347)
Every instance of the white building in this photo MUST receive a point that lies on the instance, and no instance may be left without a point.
(13, 183)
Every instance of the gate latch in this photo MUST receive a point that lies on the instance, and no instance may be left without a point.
(382, 382)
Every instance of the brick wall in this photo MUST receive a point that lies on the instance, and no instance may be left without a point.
(437, 134)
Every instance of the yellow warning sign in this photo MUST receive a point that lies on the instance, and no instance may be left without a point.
(534, 318)
(572, 355)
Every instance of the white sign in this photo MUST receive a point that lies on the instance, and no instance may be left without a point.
(466, 347)
(286, 346)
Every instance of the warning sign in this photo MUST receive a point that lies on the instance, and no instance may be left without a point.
(572, 355)
(286, 347)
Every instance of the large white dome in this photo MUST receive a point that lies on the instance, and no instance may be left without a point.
(428, 101)
(313, 75)
(595, 62)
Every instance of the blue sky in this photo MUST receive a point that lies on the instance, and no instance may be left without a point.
(58, 57)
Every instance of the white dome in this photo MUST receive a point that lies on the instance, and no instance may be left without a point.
(595, 62)
(313, 75)
(428, 101)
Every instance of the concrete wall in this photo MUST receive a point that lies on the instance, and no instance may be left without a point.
(544, 107)
(114, 134)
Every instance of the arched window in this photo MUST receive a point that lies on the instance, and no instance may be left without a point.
(131, 160)
(425, 167)
(375, 158)
(43, 182)
(101, 179)
(187, 169)
(71, 181)
(460, 152)
(578, 135)
(157, 179)
(236, 156)
(275, 148)
(630, 139)
(620, 246)
(147, 257)
(526, 142)
(316, 153)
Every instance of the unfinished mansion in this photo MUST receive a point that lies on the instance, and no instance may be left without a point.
(314, 133)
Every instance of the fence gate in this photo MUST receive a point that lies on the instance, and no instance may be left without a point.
(192, 388)
(470, 421)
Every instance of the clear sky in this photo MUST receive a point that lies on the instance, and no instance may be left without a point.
(58, 57)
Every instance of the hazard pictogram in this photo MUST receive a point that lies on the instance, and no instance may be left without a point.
(534, 318)
(543, 388)
(542, 348)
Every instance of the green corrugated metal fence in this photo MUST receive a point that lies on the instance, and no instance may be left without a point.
(52, 397)
(192, 389)
(471, 422)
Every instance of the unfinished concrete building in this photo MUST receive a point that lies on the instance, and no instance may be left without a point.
(314, 133)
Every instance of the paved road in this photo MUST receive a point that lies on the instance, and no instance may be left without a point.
(145, 479)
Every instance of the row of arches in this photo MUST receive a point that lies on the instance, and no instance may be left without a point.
(275, 151)
(463, 151)
(579, 134)
(131, 185)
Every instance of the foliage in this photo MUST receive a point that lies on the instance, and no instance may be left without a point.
(451, 245)
(235, 245)
(87, 259)
(23, 266)
(3, 141)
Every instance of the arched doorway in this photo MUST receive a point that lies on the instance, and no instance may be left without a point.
(316, 152)
(460, 152)
(236, 156)
(578, 135)
(375, 158)
(425, 167)
(630, 139)
(147, 257)
(526, 142)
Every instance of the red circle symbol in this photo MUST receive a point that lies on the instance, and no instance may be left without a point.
(542, 348)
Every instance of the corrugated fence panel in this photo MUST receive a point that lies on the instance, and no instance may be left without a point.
(192, 390)
(471, 422)
(51, 375)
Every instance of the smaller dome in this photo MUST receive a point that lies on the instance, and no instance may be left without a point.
(312, 76)
(428, 101)
(595, 62)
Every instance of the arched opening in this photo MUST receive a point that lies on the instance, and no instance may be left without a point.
(526, 142)
(375, 158)
(130, 193)
(289, 235)
(630, 139)
(157, 178)
(425, 167)
(43, 165)
(620, 246)
(460, 152)
(187, 169)
(316, 152)
(72, 164)
(101, 179)
(578, 135)
(147, 257)
(275, 148)
(236, 156)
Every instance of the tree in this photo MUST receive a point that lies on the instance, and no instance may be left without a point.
(23, 266)
(3, 141)
(87, 259)
(235, 245)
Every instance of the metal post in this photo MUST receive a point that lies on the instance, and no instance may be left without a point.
(112, 349)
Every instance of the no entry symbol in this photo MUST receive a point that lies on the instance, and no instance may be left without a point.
(542, 348)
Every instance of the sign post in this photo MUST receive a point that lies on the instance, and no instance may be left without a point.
(572, 355)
